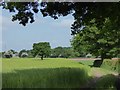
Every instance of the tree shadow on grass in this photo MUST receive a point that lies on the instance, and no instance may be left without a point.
(81, 63)
(65, 78)
(106, 82)
(97, 63)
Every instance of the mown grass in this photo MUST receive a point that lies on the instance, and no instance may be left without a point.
(47, 73)
(87, 62)
(30, 63)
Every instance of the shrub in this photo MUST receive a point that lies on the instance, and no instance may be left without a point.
(113, 65)
(106, 82)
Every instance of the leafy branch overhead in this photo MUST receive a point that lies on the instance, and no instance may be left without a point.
(83, 12)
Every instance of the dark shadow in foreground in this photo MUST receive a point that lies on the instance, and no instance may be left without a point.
(106, 82)
(97, 63)
(58, 78)
(65, 77)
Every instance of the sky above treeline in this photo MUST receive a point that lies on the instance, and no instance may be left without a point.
(44, 29)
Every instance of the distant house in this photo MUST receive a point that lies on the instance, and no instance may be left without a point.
(88, 55)
(24, 54)
(16, 55)
(8, 54)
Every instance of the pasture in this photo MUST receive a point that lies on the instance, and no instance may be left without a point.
(47, 73)
(50, 73)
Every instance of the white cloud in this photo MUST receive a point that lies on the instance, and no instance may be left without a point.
(64, 23)
(60, 23)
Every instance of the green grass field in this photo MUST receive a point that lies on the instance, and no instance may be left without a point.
(49, 73)
(10, 65)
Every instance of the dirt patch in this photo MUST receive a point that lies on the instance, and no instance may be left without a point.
(79, 59)
(83, 58)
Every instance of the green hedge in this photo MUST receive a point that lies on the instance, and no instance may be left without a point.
(113, 65)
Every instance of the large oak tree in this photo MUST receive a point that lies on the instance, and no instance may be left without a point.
(104, 42)
(41, 49)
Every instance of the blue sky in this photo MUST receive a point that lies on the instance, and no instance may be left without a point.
(44, 29)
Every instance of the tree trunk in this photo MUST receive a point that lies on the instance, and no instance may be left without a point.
(42, 57)
(102, 57)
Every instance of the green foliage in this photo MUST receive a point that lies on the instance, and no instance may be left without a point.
(112, 65)
(41, 49)
(81, 49)
(102, 42)
(30, 54)
(64, 52)
(12, 51)
(0, 54)
(57, 52)
(107, 66)
(118, 55)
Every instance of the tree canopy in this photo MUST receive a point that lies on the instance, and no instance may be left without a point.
(41, 49)
(104, 42)
(83, 12)
(64, 52)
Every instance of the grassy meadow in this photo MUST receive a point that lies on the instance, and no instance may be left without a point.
(51, 73)
(47, 73)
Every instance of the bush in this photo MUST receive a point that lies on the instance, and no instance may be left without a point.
(106, 82)
(113, 65)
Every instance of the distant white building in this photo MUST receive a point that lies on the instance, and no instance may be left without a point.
(16, 55)
(24, 54)
(88, 55)
(8, 54)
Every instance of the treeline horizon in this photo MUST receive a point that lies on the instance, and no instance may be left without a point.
(59, 51)
(32, 48)
(44, 50)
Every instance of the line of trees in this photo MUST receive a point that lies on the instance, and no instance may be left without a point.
(41, 50)
(82, 46)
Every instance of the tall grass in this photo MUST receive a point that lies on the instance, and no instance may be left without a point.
(46, 78)
(49, 73)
